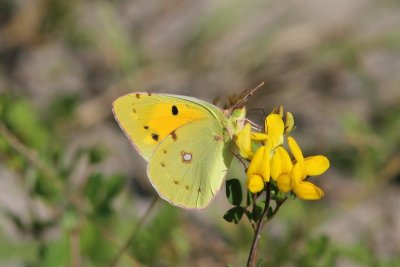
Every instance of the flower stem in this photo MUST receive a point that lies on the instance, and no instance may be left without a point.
(252, 260)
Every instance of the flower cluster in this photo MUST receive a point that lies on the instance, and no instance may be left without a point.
(269, 160)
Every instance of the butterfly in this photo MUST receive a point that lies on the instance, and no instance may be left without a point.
(187, 142)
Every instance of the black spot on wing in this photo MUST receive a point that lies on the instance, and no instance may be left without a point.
(146, 127)
(174, 110)
(137, 96)
(154, 136)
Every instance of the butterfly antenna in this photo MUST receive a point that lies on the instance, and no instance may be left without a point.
(254, 125)
(244, 99)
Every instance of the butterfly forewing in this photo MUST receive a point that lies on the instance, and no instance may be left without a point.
(148, 118)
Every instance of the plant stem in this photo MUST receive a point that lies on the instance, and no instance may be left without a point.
(252, 260)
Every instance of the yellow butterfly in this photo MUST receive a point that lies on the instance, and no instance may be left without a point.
(186, 141)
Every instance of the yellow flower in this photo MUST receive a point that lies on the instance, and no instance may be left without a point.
(243, 142)
(272, 160)
(310, 166)
(255, 184)
(288, 118)
(274, 128)
(291, 176)
(259, 169)
(281, 169)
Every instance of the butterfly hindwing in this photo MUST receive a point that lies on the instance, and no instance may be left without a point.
(189, 165)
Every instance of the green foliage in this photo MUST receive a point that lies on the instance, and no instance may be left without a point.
(96, 249)
(373, 146)
(44, 189)
(58, 16)
(151, 239)
(234, 195)
(256, 213)
(254, 207)
(56, 253)
(61, 202)
(234, 214)
(234, 191)
(22, 119)
(100, 192)
(87, 210)
(62, 108)
(317, 253)
(97, 155)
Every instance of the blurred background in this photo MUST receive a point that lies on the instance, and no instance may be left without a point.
(73, 190)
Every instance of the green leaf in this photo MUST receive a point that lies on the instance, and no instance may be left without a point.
(25, 122)
(93, 187)
(44, 189)
(93, 244)
(114, 185)
(62, 107)
(234, 214)
(270, 213)
(56, 253)
(234, 191)
(249, 215)
(256, 213)
(249, 199)
(318, 246)
(258, 210)
(97, 155)
(101, 190)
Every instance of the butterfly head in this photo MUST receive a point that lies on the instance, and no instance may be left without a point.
(236, 120)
